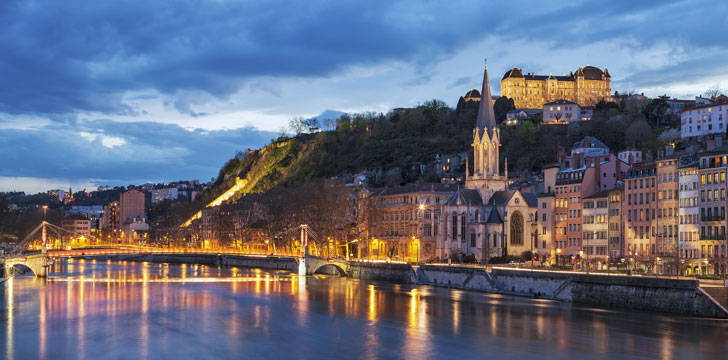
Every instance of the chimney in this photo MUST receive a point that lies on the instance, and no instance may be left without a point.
(561, 155)
(631, 159)
(576, 160)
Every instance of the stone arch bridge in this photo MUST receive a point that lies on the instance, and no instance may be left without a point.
(309, 265)
(37, 263)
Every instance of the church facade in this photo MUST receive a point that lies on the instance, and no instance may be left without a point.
(485, 219)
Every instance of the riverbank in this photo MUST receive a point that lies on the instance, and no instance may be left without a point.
(677, 296)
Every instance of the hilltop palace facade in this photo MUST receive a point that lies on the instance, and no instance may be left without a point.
(485, 219)
(586, 87)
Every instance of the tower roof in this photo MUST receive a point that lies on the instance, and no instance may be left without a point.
(486, 115)
(515, 72)
(472, 94)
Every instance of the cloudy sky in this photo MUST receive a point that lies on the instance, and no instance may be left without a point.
(121, 92)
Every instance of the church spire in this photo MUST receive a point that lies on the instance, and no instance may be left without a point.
(486, 115)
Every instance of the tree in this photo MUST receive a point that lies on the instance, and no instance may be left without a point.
(638, 133)
(712, 91)
(501, 107)
(669, 135)
(656, 110)
(296, 125)
(312, 125)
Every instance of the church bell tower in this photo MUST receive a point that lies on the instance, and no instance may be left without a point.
(486, 178)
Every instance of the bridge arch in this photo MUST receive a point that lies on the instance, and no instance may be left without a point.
(340, 269)
(17, 269)
(37, 264)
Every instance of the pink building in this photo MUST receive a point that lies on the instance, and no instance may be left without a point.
(132, 206)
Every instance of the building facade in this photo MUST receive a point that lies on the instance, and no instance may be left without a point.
(640, 211)
(131, 204)
(160, 195)
(586, 87)
(595, 220)
(546, 227)
(703, 120)
(561, 112)
(616, 224)
(667, 220)
(689, 212)
(403, 223)
(712, 203)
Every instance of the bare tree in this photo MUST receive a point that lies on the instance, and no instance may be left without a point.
(713, 91)
(296, 124)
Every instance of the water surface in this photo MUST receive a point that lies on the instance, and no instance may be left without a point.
(127, 310)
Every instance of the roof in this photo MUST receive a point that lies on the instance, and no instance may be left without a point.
(599, 195)
(526, 110)
(723, 149)
(465, 197)
(494, 217)
(689, 165)
(531, 198)
(502, 198)
(591, 73)
(590, 142)
(515, 72)
(414, 188)
(486, 114)
(472, 93)
(561, 101)
(702, 107)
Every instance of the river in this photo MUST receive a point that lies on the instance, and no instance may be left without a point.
(126, 310)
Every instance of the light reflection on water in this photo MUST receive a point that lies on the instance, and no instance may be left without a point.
(128, 310)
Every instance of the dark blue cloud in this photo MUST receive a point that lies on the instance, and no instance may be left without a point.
(65, 57)
(121, 152)
(70, 56)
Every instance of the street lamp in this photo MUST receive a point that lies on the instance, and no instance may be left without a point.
(558, 255)
(346, 244)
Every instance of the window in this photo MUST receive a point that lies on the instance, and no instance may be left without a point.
(516, 228)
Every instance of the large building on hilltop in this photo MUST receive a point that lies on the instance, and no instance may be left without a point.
(586, 87)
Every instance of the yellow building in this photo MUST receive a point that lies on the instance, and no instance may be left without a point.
(586, 87)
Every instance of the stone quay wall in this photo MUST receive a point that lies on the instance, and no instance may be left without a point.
(396, 272)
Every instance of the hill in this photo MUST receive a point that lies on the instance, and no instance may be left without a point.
(396, 144)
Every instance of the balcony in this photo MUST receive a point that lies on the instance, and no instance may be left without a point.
(712, 237)
(712, 218)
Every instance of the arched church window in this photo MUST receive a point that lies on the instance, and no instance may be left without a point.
(517, 228)
(454, 225)
(462, 226)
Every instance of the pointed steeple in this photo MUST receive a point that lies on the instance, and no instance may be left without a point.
(486, 115)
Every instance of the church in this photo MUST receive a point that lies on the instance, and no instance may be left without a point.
(485, 219)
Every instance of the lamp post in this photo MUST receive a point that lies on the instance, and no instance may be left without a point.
(45, 234)
(558, 255)
(346, 245)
